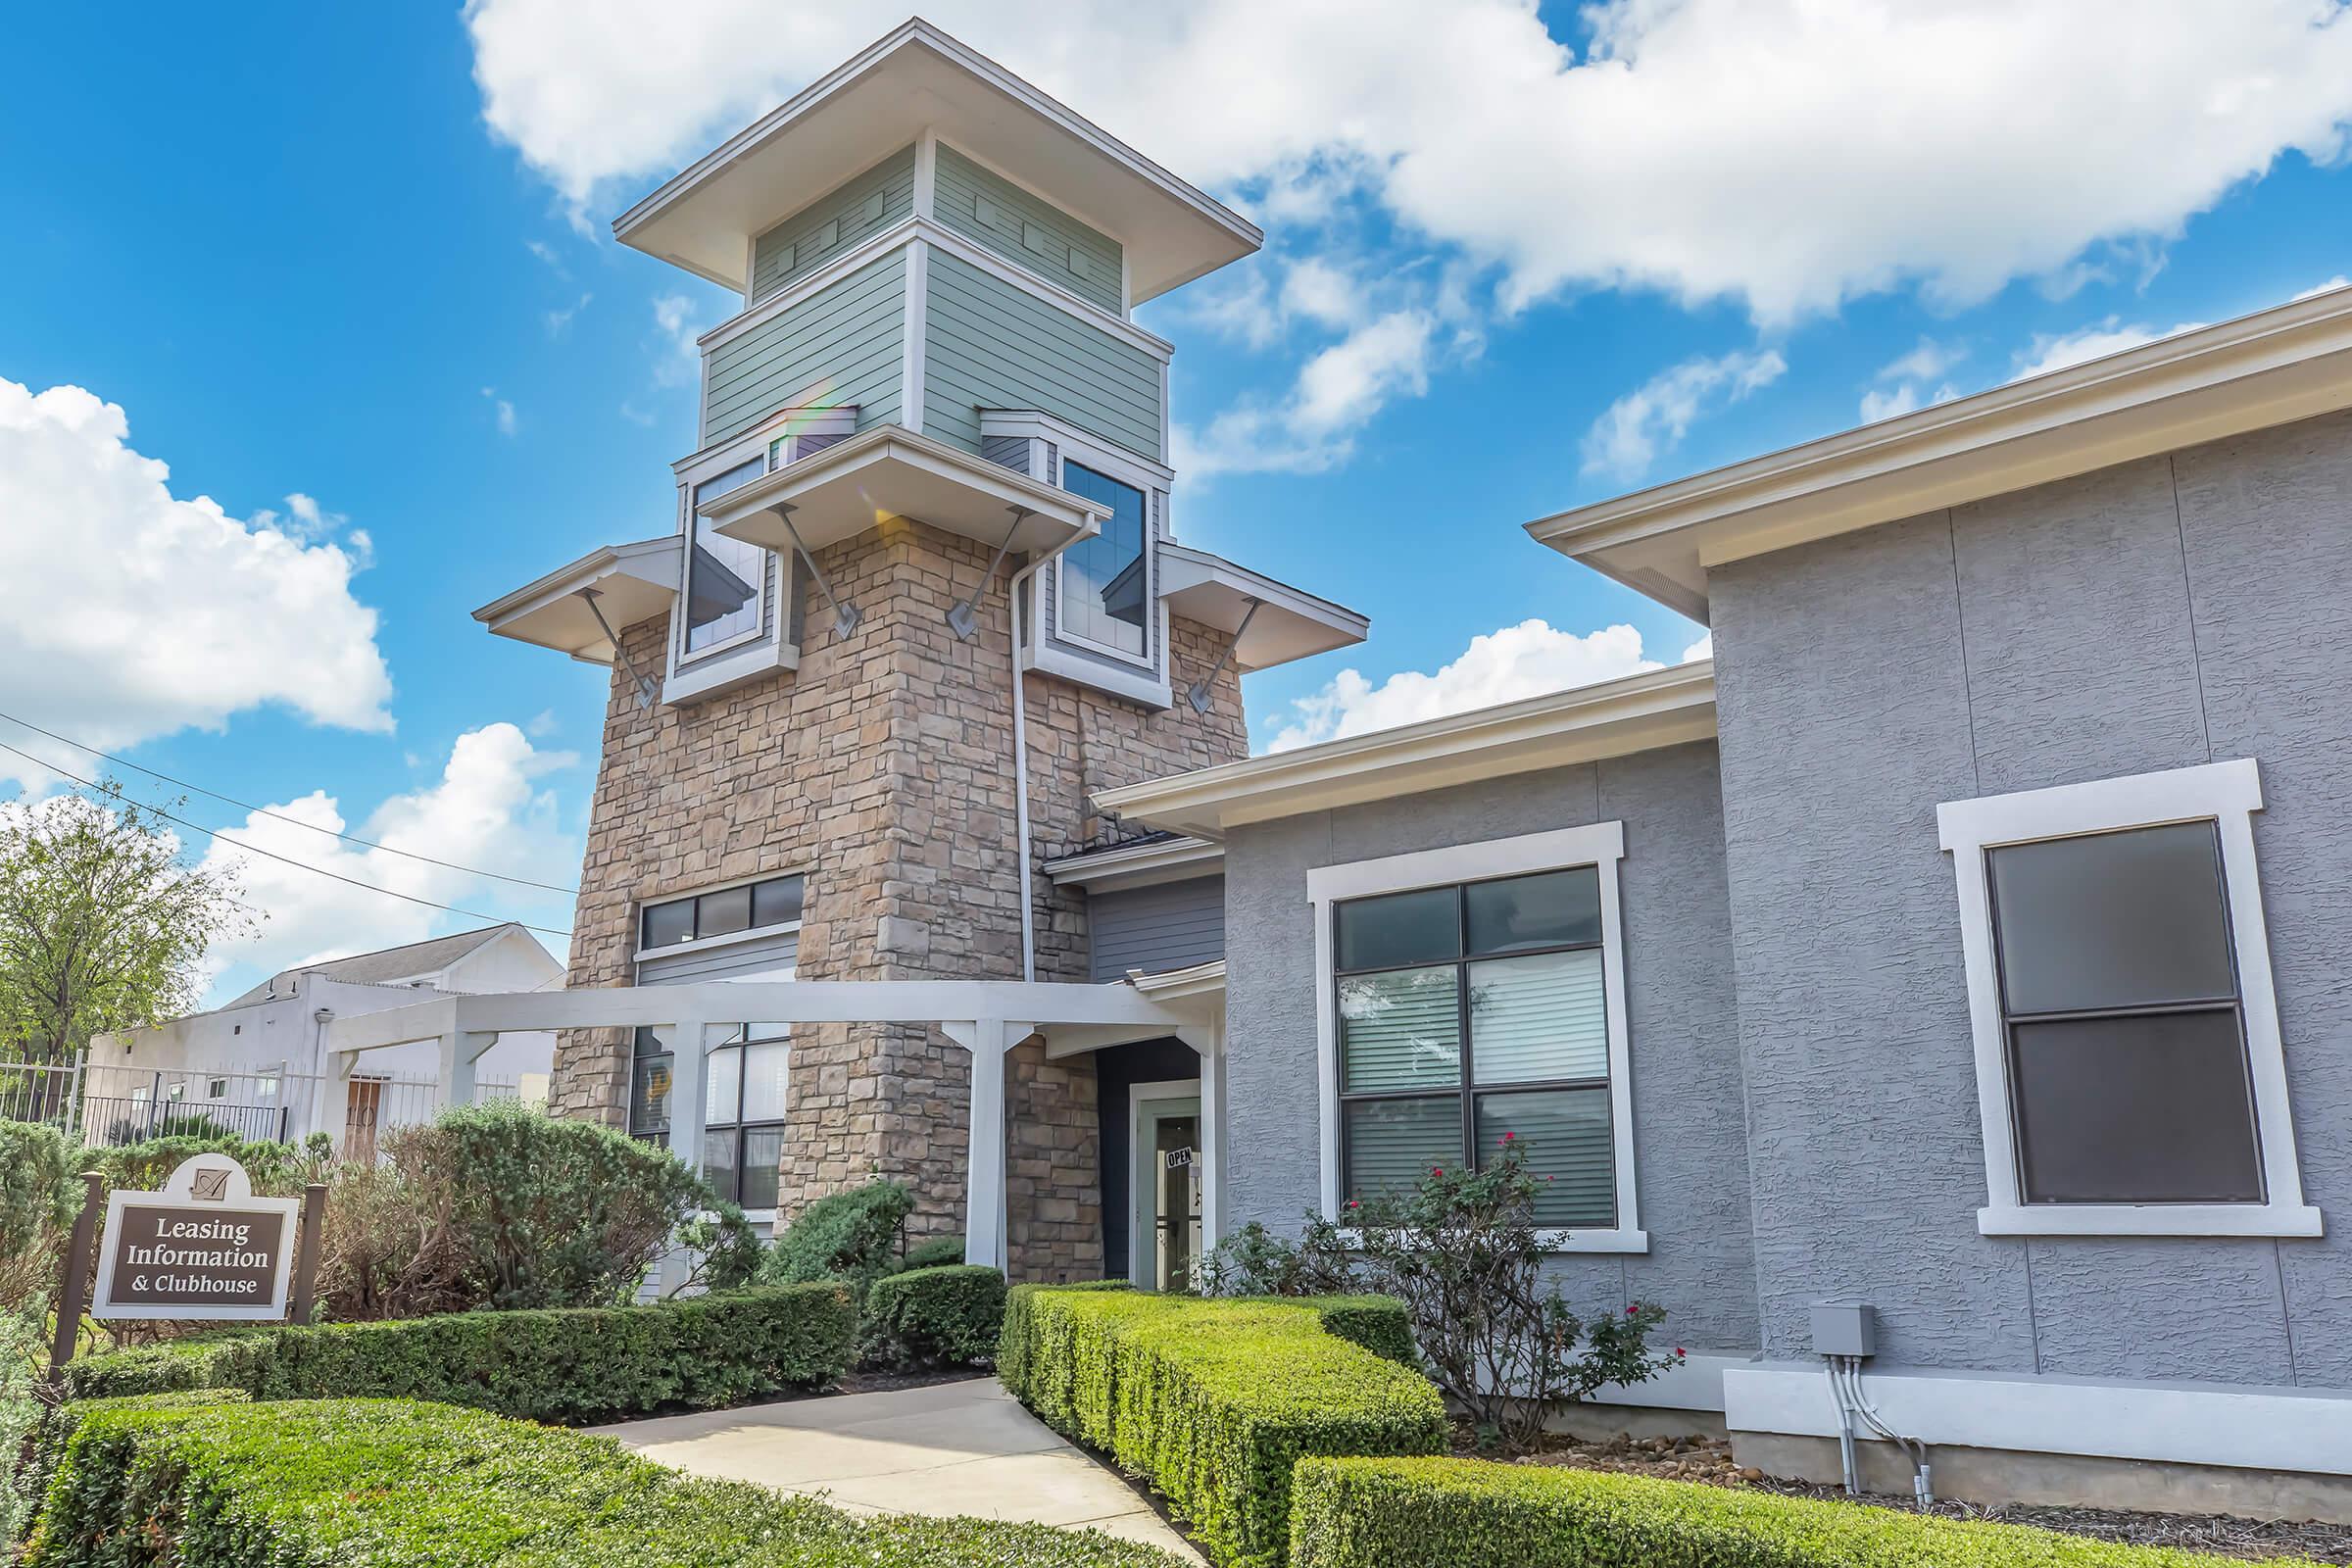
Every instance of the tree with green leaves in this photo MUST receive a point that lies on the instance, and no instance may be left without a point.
(103, 924)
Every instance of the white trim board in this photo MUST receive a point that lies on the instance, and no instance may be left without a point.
(1600, 845)
(2291, 361)
(2226, 794)
(2307, 1430)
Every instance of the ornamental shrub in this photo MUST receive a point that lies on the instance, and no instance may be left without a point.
(851, 1234)
(1473, 1513)
(1213, 1402)
(934, 1317)
(38, 1200)
(577, 1365)
(394, 1484)
(937, 1251)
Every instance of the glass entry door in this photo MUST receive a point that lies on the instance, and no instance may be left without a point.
(1169, 1181)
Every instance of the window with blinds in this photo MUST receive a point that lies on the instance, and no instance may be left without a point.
(1470, 1012)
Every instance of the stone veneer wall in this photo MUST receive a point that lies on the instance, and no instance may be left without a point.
(883, 769)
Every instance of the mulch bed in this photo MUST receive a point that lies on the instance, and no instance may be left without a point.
(1708, 1460)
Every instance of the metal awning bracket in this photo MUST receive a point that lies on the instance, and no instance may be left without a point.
(964, 616)
(845, 617)
(644, 688)
(1198, 694)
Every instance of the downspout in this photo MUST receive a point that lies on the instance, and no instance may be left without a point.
(1021, 759)
(1020, 773)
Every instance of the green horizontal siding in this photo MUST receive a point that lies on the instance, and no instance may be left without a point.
(1066, 252)
(868, 204)
(989, 345)
(845, 343)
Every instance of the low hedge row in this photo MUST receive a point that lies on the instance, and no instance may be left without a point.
(1213, 1402)
(328, 1483)
(1473, 1513)
(935, 1317)
(571, 1365)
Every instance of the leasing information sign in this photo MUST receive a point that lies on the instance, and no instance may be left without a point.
(203, 1248)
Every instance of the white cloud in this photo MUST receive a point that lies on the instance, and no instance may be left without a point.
(1646, 424)
(485, 811)
(501, 410)
(128, 612)
(2056, 350)
(1764, 151)
(560, 321)
(678, 360)
(1886, 402)
(1338, 391)
(2339, 280)
(1925, 362)
(1705, 648)
(1499, 666)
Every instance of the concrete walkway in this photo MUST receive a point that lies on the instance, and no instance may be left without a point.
(949, 1449)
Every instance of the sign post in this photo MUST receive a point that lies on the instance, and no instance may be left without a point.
(74, 1293)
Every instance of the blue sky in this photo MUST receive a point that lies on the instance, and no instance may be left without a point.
(361, 257)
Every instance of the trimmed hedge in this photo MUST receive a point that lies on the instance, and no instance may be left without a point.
(1474, 1513)
(949, 1316)
(396, 1485)
(573, 1364)
(1213, 1402)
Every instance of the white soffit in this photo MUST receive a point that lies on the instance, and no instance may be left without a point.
(1288, 623)
(2289, 363)
(838, 492)
(917, 78)
(632, 582)
(1636, 714)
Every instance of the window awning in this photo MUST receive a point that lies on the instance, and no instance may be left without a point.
(840, 491)
(1276, 623)
(631, 583)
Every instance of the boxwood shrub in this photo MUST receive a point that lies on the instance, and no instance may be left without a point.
(572, 1365)
(1213, 1402)
(1474, 1513)
(934, 1317)
(328, 1484)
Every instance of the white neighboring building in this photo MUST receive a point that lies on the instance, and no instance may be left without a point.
(256, 1064)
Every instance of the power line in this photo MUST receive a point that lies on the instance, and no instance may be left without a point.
(280, 817)
(300, 865)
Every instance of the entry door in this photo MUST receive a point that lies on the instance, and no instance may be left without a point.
(1169, 1180)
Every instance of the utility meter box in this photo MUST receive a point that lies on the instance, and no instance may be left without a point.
(1841, 1329)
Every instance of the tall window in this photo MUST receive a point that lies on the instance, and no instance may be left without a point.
(1104, 597)
(725, 577)
(1469, 1012)
(744, 1087)
(2127, 1048)
(2127, 1064)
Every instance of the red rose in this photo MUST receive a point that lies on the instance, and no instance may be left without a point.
(1678, 1352)
(1437, 1170)
(1507, 1137)
(1632, 1311)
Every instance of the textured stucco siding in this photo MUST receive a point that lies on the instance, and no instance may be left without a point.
(844, 344)
(2156, 614)
(1690, 1153)
(990, 345)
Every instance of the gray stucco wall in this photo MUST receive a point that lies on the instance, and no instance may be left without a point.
(1690, 1151)
(2157, 614)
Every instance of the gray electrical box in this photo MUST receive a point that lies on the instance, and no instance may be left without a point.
(1841, 1329)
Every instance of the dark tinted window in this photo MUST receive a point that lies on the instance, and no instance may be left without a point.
(2127, 1052)
(1399, 928)
(2111, 920)
(723, 913)
(665, 923)
(2135, 1110)
(776, 903)
(1553, 909)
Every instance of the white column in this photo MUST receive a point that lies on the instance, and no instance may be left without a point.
(460, 1051)
(331, 1100)
(687, 1038)
(687, 1041)
(984, 1220)
(1209, 1043)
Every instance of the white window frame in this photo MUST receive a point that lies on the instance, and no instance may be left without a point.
(2227, 795)
(1154, 489)
(765, 647)
(1601, 846)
